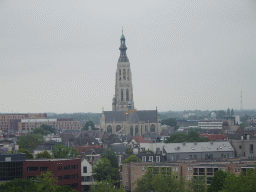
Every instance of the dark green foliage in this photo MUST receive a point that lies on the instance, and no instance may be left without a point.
(104, 186)
(62, 151)
(228, 112)
(132, 158)
(43, 155)
(232, 112)
(44, 130)
(192, 136)
(217, 181)
(27, 152)
(242, 183)
(29, 141)
(128, 151)
(169, 121)
(102, 170)
(87, 124)
(155, 181)
(46, 182)
(197, 184)
(111, 156)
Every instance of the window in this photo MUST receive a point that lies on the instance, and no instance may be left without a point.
(235, 169)
(66, 177)
(157, 159)
(127, 94)
(150, 158)
(74, 185)
(74, 166)
(32, 168)
(59, 177)
(88, 178)
(83, 178)
(144, 159)
(67, 167)
(43, 168)
(59, 168)
(74, 176)
(122, 94)
(85, 169)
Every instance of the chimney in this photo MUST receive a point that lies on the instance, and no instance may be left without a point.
(248, 137)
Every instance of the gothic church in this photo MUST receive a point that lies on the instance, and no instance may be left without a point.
(124, 119)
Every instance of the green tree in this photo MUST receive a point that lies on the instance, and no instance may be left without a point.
(169, 121)
(232, 112)
(43, 155)
(192, 136)
(87, 124)
(132, 158)
(197, 184)
(217, 182)
(241, 183)
(46, 182)
(103, 170)
(44, 130)
(104, 186)
(220, 114)
(111, 156)
(30, 141)
(176, 138)
(62, 151)
(228, 112)
(159, 182)
(27, 152)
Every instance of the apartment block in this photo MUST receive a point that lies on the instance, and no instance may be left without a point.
(9, 121)
(26, 125)
(68, 171)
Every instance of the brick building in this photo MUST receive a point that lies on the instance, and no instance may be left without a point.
(189, 169)
(68, 171)
(26, 125)
(9, 121)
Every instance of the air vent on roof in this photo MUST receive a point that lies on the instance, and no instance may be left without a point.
(203, 148)
(178, 148)
(192, 148)
(220, 147)
(195, 143)
(184, 143)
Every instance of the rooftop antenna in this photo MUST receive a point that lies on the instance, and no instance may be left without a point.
(241, 102)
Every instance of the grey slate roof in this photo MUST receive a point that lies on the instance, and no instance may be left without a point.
(198, 147)
(147, 115)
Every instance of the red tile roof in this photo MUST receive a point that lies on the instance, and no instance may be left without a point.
(140, 139)
(215, 137)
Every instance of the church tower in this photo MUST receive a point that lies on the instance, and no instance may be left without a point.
(123, 84)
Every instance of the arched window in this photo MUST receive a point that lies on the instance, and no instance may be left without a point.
(152, 128)
(118, 128)
(127, 94)
(109, 129)
(131, 131)
(122, 94)
(136, 129)
(124, 74)
(120, 73)
(146, 128)
(128, 74)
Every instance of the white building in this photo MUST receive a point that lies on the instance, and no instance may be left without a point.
(210, 124)
(86, 175)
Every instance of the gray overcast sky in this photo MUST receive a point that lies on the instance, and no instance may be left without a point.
(60, 56)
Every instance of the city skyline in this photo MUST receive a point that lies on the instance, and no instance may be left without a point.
(61, 56)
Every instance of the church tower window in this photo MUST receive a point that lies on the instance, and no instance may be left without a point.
(124, 74)
(109, 129)
(122, 94)
(127, 94)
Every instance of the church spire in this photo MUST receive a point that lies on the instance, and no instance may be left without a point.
(123, 57)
